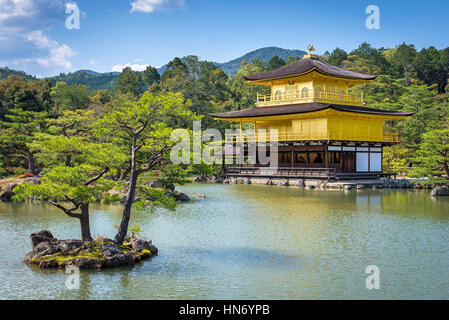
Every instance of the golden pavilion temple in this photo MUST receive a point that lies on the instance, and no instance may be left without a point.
(324, 130)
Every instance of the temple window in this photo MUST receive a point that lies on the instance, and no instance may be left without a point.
(301, 157)
(304, 93)
(278, 95)
(284, 157)
(334, 157)
(316, 157)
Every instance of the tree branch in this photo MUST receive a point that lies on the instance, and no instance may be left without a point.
(92, 180)
(67, 211)
(142, 127)
(154, 160)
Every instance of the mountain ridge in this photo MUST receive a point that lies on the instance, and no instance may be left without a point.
(107, 80)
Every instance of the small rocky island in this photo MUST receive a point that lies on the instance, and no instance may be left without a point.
(49, 252)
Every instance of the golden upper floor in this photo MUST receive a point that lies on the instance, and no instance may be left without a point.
(309, 80)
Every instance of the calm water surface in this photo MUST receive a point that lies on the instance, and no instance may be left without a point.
(250, 242)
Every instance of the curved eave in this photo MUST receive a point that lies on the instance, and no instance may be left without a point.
(266, 81)
(239, 116)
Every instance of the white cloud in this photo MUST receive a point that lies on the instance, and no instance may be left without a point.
(135, 67)
(30, 14)
(57, 55)
(40, 40)
(10, 9)
(93, 63)
(26, 45)
(148, 6)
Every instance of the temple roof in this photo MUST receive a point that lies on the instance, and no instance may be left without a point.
(304, 108)
(307, 65)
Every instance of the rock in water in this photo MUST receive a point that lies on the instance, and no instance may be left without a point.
(156, 184)
(181, 196)
(49, 252)
(114, 257)
(440, 191)
(198, 179)
(283, 183)
(143, 244)
(41, 236)
(8, 193)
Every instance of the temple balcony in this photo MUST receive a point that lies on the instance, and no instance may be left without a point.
(309, 95)
(387, 137)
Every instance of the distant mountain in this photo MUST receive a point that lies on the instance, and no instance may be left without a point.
(265, 54)
(94, 80)
(97, 81)
(6, 72)
(87, 71)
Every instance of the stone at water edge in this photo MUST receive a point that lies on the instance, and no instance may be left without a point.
(156, 184)
(170, 187)
(41, 236)
(198, 179)
(282, 183)
(201, 196)
(181, 196)
(160, 184)
(34, 180)
(144, 244)
(114, 257)
(49, 252)
(8, 193)
(440, 191)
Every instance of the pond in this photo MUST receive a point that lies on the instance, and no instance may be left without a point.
(250, 242)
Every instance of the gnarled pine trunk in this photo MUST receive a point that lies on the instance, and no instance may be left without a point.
(123, 229)
(31, 163)
(84, 220)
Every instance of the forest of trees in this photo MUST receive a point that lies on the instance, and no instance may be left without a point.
(409, 80)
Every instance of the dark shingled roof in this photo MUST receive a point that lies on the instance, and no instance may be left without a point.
(306, 65)
(303, 108)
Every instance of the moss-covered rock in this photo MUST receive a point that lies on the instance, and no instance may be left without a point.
(100, 253)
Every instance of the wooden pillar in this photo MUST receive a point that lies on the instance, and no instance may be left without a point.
(242, 145)
(341, 159)
(291, 157)
(326, 157)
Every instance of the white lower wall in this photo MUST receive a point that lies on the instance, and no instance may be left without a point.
(375, 162)
(362, 162)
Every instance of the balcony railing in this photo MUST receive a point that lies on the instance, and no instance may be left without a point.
(327, 173)
(315, 95)
(390, 137)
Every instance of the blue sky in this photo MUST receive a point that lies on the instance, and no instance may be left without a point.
(34, 37)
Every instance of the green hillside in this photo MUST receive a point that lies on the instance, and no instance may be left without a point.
(265, 54)
(97, 81)
(94, 80)
(6, 72)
